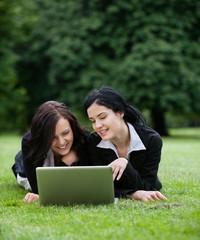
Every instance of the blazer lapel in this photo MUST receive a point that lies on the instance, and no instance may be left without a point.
(109, 155)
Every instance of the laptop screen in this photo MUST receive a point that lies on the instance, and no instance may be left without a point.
(75, 185)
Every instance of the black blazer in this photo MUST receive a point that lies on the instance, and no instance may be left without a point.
(30, 169)
(142, 167)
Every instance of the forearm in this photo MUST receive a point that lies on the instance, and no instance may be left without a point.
(144, 175)
(133, 179)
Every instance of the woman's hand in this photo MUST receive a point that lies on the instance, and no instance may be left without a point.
(146, 196)
(31, 197)
(118, 167)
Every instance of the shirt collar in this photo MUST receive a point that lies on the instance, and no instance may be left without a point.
(49, 161)
(136, 143)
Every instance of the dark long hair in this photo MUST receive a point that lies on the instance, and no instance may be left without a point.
(43, 130)
(113, 100)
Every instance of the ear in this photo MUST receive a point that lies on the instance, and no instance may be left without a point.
(121, 114)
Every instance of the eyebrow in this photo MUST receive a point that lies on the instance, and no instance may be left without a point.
(67, 129)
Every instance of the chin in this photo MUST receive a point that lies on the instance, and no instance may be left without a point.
(105, 138)
(63, 153)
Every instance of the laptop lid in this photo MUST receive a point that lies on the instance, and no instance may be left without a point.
(75, 185)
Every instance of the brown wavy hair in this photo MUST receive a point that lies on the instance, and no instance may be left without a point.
(43, 130)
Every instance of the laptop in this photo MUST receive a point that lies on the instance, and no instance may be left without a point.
(75, 185)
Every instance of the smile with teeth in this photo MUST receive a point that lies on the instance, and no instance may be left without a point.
(63, 147)
(103, 131)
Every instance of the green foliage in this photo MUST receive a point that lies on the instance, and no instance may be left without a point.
(148, 50)
(12, 94)
(162, 67)
(177, 218)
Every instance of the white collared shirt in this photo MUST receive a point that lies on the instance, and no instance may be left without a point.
(49, 161)
(136, 143)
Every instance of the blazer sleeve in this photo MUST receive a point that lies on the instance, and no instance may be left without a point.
(143, 177)
(28, 166)
(141, 170)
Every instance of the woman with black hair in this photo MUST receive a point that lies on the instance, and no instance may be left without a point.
(123, 141)
(55, 139)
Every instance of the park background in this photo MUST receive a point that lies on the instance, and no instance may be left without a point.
(60, 50)
(149, 50)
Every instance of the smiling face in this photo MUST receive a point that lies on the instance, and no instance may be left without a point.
(63, 139)
(105, 122)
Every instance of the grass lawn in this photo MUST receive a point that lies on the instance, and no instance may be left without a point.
(176, 218)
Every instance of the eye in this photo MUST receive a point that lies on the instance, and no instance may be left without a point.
(92, 121)
(66, 133)
(103, 117)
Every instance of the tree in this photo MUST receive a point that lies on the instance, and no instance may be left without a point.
(12, 96)
(55, 55)
(149, 50)
(162, 66)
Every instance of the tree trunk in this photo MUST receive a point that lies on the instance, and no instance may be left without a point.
(158, 119)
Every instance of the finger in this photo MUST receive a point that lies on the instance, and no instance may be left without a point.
(112, 166)
(154, 197)
(120, 173)
(115, 172)
(29, 200)
(160, 196)
(36, 197)
(151, 198)
(26, 197)
(147, 198)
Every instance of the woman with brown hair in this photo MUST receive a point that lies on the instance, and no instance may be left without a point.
(55, 139)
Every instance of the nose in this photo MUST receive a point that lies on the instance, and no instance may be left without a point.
(61, 140)
(98, 124)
